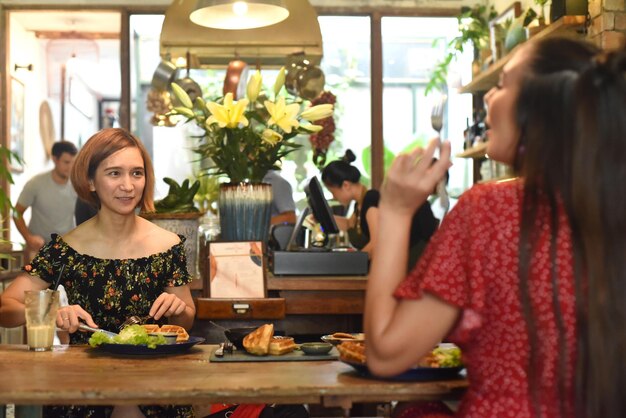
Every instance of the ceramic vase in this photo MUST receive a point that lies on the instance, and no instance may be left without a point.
(245, 210)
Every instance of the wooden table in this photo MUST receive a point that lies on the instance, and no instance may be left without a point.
(81, 375)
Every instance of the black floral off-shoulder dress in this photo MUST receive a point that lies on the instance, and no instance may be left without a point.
(111, 291)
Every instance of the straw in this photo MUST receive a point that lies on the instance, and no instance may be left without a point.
(56, 285)
(58, 280)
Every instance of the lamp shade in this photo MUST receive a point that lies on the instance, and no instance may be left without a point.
(231, 14)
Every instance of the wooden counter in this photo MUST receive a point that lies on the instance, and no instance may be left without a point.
(307, 295)
(82, 375)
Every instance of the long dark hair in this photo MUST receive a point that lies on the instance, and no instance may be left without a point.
(599, 230)
(545, 160)
(338, 171)
(544, 113)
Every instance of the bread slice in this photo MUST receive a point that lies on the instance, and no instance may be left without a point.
(343, 335)
(181, 333)
(281, 345)
(258, 341)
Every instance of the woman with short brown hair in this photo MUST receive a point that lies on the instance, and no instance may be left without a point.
(114, 265)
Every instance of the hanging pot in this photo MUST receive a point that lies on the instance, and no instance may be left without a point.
(294, 68)
(236, 79)
(192, 88)
(310, 81)
(163, 76)
(245, 210)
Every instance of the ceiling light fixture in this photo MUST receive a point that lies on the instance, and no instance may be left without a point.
(232, 15)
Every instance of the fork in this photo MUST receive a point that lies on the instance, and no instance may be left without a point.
(134, 320)
(436, 120)
(436, 116)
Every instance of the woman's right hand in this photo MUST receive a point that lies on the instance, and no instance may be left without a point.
(412, 177)
(68, 318)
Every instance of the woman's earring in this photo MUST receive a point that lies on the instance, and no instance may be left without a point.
(92, 188)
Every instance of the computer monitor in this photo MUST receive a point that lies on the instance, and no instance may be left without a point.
(317, 205)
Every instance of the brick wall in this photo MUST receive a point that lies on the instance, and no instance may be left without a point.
(608, 22)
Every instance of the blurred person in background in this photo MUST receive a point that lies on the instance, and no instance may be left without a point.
(343, 181)
(51, 197)
(283, 207)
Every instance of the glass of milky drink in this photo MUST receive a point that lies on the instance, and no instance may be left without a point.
(41, 312)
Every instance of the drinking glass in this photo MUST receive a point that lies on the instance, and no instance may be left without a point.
(41, 312)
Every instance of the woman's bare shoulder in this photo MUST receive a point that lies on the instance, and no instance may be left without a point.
(82, 234)
(159, 236)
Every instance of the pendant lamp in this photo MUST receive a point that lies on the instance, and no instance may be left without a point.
(232, 15)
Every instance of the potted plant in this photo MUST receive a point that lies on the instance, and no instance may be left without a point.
(176, 212)
(244, 139)
(6, 157)
(474, 29)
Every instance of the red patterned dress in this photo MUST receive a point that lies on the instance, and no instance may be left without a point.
(472, 263)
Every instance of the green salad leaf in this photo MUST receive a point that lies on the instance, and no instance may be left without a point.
(98, 338)
(133, 335)
(448, 356)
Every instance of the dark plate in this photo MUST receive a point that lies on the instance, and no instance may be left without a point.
(143, 350)
(416, 374)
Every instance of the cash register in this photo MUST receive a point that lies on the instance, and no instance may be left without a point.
(302, 259)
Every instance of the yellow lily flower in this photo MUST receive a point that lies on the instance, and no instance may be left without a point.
(311, 128)
(280, 81)
(317, 112)
(182, 95)
(228, 115)
(282, 114)
(254, 86)
(184, 111)
(271, 137)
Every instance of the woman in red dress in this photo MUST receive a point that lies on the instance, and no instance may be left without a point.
(526, 276)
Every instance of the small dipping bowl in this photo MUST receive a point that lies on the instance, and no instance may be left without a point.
(170, 337)
(316, 348)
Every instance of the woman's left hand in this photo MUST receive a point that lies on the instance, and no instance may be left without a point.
(412, 178)
(166, 305)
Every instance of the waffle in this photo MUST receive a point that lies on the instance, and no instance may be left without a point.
(151, 328)
(258, 341)
(352, 351)
(181, 333)
(281, 345)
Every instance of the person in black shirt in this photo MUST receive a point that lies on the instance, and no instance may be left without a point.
(342, 179)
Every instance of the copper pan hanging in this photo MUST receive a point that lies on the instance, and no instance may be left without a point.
(236, 79)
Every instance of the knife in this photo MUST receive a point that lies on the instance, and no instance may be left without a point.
(105, 332)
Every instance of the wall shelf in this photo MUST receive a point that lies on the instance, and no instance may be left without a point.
(489, 78)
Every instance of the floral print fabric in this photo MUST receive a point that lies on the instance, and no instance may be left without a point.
(111, 290)
(472, 263)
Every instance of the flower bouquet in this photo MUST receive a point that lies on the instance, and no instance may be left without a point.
(246, 138)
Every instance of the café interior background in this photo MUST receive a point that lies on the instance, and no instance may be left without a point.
(40, 63)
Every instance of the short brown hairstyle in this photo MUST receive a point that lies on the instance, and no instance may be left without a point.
(99, 147)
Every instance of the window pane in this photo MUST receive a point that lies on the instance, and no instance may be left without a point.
(409, 54)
